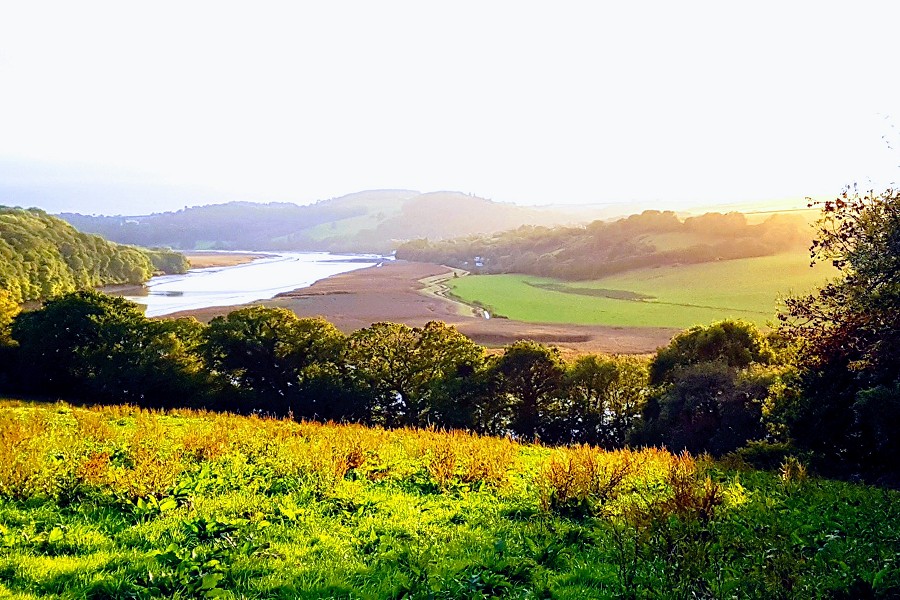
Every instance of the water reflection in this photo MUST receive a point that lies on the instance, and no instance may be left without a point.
(261, 279)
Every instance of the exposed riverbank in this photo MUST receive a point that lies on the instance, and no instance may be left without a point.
(198, 259)
(398, 291)
(254, 277)
(215, 258)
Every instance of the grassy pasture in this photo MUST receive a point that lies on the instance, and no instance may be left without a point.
(674, 296)
(117, 502)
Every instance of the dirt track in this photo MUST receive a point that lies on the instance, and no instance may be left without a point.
(396, 292)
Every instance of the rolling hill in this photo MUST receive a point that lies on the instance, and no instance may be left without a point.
(370, 221)
(603, 248)
(680, 295)
(652, 269)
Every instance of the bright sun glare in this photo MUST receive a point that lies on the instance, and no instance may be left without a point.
(678, 105)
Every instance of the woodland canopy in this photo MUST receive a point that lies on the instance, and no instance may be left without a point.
(42, 256)
(602, 248)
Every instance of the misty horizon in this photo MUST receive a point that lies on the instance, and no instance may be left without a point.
(93, 190)
(574, 105)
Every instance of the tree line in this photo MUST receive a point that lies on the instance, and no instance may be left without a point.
(601, 248)
(42, 256)
(95, 348)
(718, 388)
(824, 384)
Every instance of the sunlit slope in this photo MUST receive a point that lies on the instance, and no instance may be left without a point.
(118, 502)
(671, 296)
(42, 256)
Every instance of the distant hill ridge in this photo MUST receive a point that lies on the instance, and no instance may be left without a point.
(649, 239)
(369, 221)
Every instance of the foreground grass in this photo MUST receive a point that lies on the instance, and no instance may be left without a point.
(122, 503)
(678, 296)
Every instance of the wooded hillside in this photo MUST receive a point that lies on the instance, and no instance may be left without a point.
(42, 256)
(601, 248)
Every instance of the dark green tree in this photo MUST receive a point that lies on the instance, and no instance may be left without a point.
(77, 341)
(172, 370)
(708, 389)
(708, 407)
(277, 363)
(848, 337)
(736, 344)
(412, 371)
(531, 378)
(100, 348)
(604, 396)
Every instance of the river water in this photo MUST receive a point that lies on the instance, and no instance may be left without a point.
(261, 279)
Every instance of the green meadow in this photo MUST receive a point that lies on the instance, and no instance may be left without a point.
(671, 296)
(119, 502)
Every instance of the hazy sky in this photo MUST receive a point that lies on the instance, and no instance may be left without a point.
(516, 101)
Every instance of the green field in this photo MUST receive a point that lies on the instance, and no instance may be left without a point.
(117, 502)
(676, 296)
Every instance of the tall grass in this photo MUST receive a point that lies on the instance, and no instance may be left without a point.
(116, 502)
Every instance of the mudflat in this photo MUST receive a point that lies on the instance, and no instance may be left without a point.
(413, 293)
(203, 260)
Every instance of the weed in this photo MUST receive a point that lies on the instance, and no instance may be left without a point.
(581, 479)
(792, 471)
(442, 461)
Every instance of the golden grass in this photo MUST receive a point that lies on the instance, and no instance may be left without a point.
(129, 453)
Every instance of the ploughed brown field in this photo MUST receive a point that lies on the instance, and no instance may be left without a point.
(412, 293)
